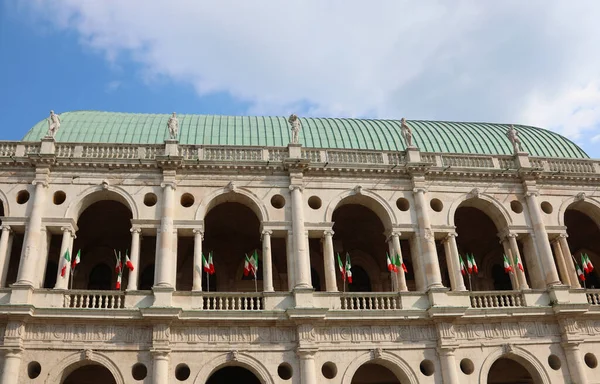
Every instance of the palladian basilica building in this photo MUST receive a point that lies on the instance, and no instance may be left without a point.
(166, 249)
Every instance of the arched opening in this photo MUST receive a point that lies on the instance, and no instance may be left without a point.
(233, 374)
(584, 237)
(372, 373)
(478, 236)
(508, 371)
(232, 231)
(90, 374)
(359, 232)
(104, 227)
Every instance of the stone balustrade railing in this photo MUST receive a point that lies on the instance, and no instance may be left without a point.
(370, 301)
(212, 153)
(496, 299)
(226, 301)
(593, 296)
(95, 299)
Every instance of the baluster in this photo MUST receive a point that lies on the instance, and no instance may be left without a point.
(67, 301)
(93, 301)
(518, 300)
(120, 301)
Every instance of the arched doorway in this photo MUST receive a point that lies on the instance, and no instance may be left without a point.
(233, 374)
(372, 373)
(90, 374)
(104, 227)
(358, 230)
(508, 371)
(478, 236)
(584, 237)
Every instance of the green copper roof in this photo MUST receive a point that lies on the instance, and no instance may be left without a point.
(429, 136)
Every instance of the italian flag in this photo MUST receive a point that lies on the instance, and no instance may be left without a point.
(209, 267)
(76, 259)
(67, 258)
(118, 285)
(251, 264)
(348, 269)
(341, 267)
(587, 263)
(472, 264)
(518, 263)
(119, 263)
(390, 266)
(580, 272)
(507, 267)
(463, 269)
(128, 262)
(400, 263)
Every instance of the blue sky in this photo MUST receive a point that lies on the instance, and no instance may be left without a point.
(505, 62)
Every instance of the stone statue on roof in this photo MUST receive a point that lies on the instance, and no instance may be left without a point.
(513, 136)
(406, 132)
(173, 125)
(53, 124)
(295, 126)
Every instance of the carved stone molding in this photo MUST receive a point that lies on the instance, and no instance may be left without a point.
(88, 354)
(580, 196)
(377, 353)
(233, 355)
(231, 187)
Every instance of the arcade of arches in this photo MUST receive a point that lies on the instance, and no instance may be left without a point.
(232, 229)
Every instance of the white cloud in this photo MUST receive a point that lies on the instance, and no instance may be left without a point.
(535, 62)
(112, 86)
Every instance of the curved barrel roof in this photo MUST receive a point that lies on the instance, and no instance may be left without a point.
(342, 133)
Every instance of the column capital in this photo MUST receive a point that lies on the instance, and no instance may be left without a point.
(306, 353)
(198, 231)
(328, 232)
(137, 230)
(450, 235)
(532, 193)
(12, 351)
(160, 353)
(5, 228)
(419, 189)
(266, 232)
(43, 183)
(300, 187)
(172, 184)
(68, 229)
(446, 350)
(562, 235)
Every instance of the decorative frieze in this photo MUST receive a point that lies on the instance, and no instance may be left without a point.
(232, 335)
(88, 333)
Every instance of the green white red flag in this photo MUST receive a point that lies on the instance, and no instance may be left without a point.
(518, 263)
(463, 269)
(399, 262)
(251, 264)
(76, 259)
(587, 263)
(507, 267)
(390, 266)
(348, 269)
(119, 263)
(209, 267)
(580, 272)
(341, 267)
(128, 262)
(472, 264)
(66, 262)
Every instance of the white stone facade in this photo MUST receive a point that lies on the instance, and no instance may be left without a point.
(426, 329)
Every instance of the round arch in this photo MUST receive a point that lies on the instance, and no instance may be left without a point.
(234, 359)
(367, 199)
(363, 260)
(4, 201)
(528, 360)
(238, 195)
(485, 203)
(589, 207)
(97, 193)
(79, 359)
(387, 359)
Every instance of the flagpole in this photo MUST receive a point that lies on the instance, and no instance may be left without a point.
(71, 279)
(207, 282)
(470, 287)
(583, 270)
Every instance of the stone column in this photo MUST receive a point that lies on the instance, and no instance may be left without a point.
(267, 262)
(198, 267)
(560, 261)
(12, 365)
(457, 282)
(430, 262)
(165, 257)
(132, 285)
(514, 252)
(448, 365)
(398, 251)
(45, 237)
(160, 370)
(548, 267)
(30, 255)
(575, 362)
(566, 251)
(308, 368)
(291, 265)
(302, 270)
(67, 244)
(329, 261)
(4, 254)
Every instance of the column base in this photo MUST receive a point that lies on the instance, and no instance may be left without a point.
(303, 298)
(21, 294)
(163, 296)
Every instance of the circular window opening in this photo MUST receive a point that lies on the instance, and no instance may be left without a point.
(182, 372)
(187, 200)
(436, 205)
(554, 362)
(402, 204)
(150, 199)
(466, 366)
(427, 368)
(590, 360)
(22, 197)
(59, 197)
(278, 201)
(546, 207)
(139, 371)
(34, 369)
(284, 371)
(314, 202)
(329, 370)
(516, 206)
